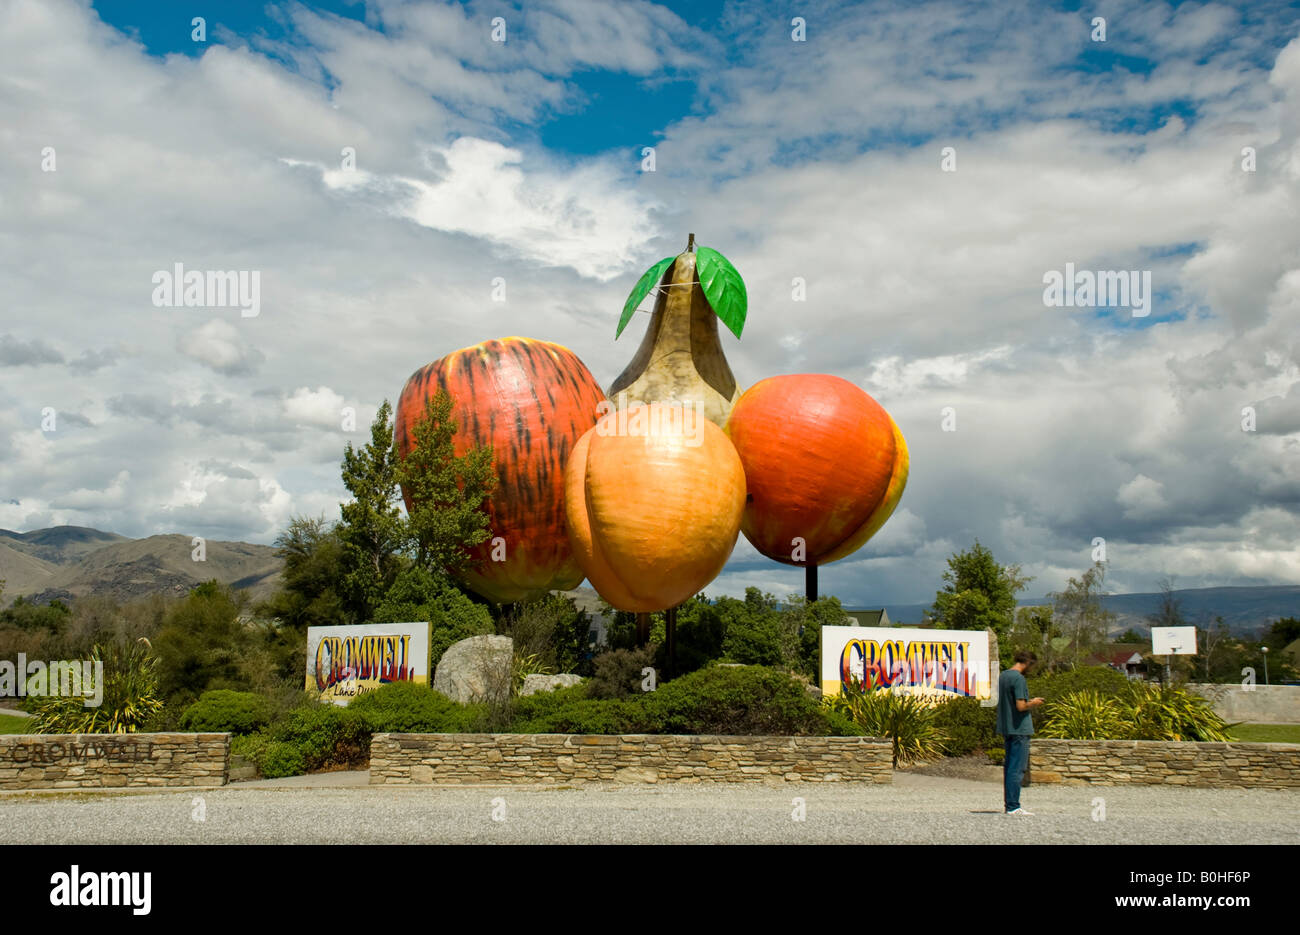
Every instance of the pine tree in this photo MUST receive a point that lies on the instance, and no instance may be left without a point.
(448, 494)
(372, 530)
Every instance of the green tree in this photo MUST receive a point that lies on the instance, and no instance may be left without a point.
(980, 594)
(1211, 644)
(201, 644)
(1130, 636)
(448, 494)
(372, 530)
(552, 630)
(1037, 632)
(420, 595)
(314, 564)
(30, 616)
(1280, 635)
(752, 632)
(1083, 619)
(802, 626)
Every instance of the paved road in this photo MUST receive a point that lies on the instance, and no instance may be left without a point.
(917, 809)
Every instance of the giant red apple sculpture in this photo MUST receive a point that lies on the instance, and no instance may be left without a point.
(825, 465)
(531, 401)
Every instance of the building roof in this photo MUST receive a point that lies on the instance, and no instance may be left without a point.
(1119, 655)
(864, 617)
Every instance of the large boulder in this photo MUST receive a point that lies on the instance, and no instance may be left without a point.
(548, 683)
(476, 669)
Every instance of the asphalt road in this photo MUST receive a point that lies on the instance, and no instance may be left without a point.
(916, 809)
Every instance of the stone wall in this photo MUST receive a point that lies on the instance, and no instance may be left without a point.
(1263, 704)
(81, 761)
(547, 758)
(1155, 762)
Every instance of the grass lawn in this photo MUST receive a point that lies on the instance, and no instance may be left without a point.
(1261, 733)
(14, 725)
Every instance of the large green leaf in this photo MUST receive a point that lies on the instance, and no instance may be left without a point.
(723, 287)
(648, 281)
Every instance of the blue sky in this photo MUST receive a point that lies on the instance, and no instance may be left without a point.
(819, 160)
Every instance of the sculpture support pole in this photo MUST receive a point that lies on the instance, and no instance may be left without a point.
(642, 629)
(670, 632)
(810, 582)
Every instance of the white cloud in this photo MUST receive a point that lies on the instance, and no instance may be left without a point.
(818, 160)
(219, 345)
(321, 406)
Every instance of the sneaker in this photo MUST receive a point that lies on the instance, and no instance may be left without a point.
(1021, 812)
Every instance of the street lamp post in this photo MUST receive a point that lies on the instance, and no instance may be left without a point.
(1265, 648)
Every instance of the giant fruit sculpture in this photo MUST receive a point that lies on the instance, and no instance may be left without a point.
(680, 358)
(825, 465)
(531, 401)
(654, 504)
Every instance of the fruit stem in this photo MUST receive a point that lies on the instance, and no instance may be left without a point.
(690, 244)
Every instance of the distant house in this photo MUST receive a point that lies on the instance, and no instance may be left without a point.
(1292, 652)
(1122, 657)
(863, 617)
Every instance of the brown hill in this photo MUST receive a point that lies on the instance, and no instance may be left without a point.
(23, 573)
(59, 545)
(130, 568)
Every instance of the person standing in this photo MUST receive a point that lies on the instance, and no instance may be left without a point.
(1016, 725)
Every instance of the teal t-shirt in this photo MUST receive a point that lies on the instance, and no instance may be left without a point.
(1012, 685)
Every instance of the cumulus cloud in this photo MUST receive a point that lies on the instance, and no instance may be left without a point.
(219, 345)
(321, 406)
(16, 353)
(818, 160)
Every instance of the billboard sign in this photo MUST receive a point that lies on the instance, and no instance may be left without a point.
(935, 664)
(344, 662)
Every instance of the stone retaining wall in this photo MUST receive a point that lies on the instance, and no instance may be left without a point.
(523, 758)
(81, 761)
(1155, 762)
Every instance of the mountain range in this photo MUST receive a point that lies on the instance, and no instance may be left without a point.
(1247, 612)
(67, 562)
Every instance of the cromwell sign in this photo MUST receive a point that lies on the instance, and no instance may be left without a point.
(936, 664)
(343, 662)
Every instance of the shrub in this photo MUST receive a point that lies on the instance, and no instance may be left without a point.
(968, 726)
(1169, 712)
(409, 708)
(1140, 711)
(618, 672)
(280, 758)
(840, 723)
(908, 720)
(130, 696)
(222, 710)
(1085, 715)
(250, 746)
(733, 700)
(326, 735)
(570, 711)
(1103, 680)
(524, 665)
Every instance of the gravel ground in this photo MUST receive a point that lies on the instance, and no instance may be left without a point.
(917, 809)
